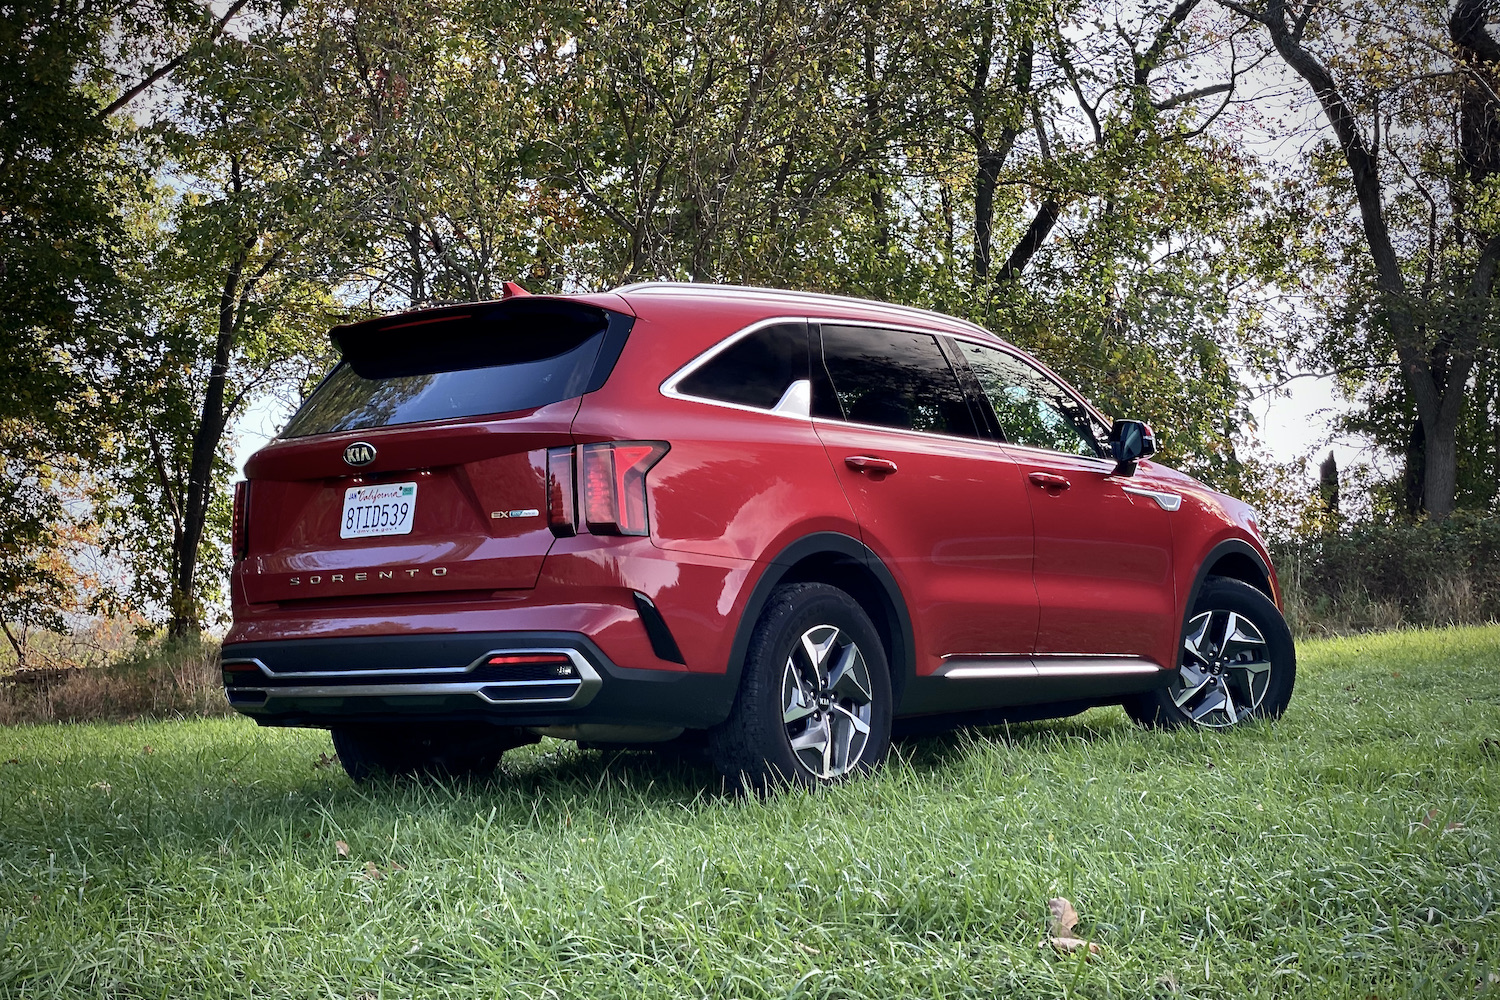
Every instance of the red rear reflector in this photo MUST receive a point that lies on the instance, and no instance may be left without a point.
(614, 485)
(516, 659)
(240, 521)
(562, 516)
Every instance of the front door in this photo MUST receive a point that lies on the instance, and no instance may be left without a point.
(1103, 551)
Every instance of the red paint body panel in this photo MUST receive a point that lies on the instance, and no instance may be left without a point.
(1105, 575)
(952, 525)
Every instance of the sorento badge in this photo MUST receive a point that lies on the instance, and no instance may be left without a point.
(359, 453)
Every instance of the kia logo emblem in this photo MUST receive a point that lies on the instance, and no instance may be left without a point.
(359, 453)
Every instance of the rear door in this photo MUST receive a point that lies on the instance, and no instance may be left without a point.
(1103, 552)
(419, 464)
(944, 509)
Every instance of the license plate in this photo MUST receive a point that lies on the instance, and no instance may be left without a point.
(378, 510)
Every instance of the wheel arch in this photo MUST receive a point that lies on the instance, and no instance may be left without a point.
(844, 562)
(1234, 559)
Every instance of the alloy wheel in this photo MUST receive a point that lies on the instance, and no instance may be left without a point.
(826, 699)
(1226, 669)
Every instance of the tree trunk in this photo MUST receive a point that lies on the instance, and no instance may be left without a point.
(1440, 471)
(186, 618)
(1414, 476)
(989, 159)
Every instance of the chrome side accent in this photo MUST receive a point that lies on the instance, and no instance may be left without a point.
(970, 671)
(1164, 500)
(1045, 665)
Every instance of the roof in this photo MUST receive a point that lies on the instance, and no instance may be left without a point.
(777, 296)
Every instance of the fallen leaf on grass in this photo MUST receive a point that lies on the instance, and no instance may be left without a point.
(1071, 944)
(325, 761)
(1064, 917)
(1060, 931)
(1427, 821)
(342, 848)
(148, 749)
(371, 872)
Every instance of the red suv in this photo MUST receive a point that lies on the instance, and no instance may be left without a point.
(780, 523)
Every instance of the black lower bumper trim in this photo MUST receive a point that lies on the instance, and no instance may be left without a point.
(408, 678)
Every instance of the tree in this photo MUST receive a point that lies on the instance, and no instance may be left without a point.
(232, 265)
(58, 164)
(1414, 119)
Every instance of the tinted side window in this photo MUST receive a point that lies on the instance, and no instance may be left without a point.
(890, 378)
(755, 370)
(1032, 409)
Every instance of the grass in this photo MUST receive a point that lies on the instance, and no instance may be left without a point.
(1347, 851)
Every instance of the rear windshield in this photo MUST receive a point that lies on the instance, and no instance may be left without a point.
(460, 365)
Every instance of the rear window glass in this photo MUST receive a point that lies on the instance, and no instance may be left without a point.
(891, 378)
(458, 365)
(755, 370)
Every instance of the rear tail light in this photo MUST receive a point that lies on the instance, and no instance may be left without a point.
(614, 485)
(240, 541)
(605, 483)
(562, 516)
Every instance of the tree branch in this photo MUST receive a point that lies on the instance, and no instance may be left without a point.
(172, 64)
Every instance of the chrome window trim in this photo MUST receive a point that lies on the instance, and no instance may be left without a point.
(783, 407)
(979, 337)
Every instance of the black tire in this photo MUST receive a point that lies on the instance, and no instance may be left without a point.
(1252, 669)
(429, 751)
(753, 748)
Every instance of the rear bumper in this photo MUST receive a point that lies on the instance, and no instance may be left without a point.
(324, 682)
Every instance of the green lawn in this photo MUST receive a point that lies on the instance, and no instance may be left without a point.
(1349, 850)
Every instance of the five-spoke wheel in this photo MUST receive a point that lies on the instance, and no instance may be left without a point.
(1237, 662)
(815, 695)
(826, 702)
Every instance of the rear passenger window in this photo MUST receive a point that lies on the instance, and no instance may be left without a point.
(890, 378)
(755, 370)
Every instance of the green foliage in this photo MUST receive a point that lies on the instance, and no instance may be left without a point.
(1071, 176)
(57, 292)
(1386, 574)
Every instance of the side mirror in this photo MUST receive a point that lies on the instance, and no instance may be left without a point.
(1129, 442)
